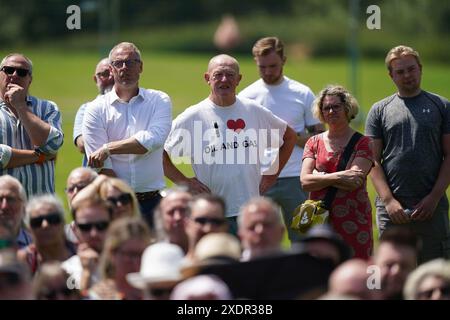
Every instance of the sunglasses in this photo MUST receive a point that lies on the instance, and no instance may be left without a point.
(19, 71)
(53, 219)
(159, 292)
(128, 63)
(100, 226)
(103, 74)
(427, 294)
(213, 221)
(53, 294)
(124, 199)
(334, 107)
(71, 189)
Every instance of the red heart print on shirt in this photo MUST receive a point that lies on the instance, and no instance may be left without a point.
(237, 125)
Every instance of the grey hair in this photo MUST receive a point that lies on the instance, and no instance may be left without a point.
(37, 201)
(30, 63)
(258, 201)
(438, 268)
(161, 234)
(10, 179)
(129, 45)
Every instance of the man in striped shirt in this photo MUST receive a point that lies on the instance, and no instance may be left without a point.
(30, 128)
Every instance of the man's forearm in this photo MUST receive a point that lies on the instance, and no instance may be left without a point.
(21, 158)
(443, 179)
(380, 183)
(172, 172)
(37, 129)
(126, 146)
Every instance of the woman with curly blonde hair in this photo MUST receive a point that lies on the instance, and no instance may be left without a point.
(350, 211)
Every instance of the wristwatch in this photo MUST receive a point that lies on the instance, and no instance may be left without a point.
(41, 157)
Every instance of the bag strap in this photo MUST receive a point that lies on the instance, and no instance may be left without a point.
(331, 193)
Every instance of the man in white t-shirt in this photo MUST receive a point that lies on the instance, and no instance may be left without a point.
(292, 102)
(224, 138)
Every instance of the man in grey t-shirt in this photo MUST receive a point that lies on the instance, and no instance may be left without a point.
(411, 137)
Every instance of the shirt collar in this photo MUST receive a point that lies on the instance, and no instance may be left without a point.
(115, 97)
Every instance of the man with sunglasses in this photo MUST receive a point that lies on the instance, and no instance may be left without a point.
(125, 129)
(92, 217)
(31, 128)
(104, 81)
(205, 214)
(45, 217)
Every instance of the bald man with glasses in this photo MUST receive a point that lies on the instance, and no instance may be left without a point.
(31, 128)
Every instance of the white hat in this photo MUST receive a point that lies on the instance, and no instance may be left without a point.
(160, 264)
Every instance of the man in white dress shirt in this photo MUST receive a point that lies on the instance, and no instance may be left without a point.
(125, 129)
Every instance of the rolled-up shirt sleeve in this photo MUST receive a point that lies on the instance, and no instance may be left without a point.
(55, 137)
(78, 122)
(5, 155)
(94, 130)
(154, 137)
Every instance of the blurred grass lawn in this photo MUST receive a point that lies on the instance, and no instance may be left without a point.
(66, 78)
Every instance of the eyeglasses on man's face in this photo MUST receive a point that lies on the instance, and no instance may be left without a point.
(19, 71)
(128, 63)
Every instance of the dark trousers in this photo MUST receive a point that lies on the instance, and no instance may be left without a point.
(148, 207)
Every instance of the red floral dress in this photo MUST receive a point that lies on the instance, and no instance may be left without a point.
(351, 212)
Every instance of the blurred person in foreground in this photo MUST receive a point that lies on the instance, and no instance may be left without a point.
(430, 281)
(125, 243)
(171, 217)
(396, 256)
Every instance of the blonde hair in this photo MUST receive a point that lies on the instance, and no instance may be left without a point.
(123, 187)
(350, 104)
(399, 52)
(120, 231)
(265, 46)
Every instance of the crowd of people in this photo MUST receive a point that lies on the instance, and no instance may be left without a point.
(256, 156)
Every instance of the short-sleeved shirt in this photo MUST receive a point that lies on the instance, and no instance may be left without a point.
(351, 212)
(291, 101)
(411, 130)
(225, 146)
